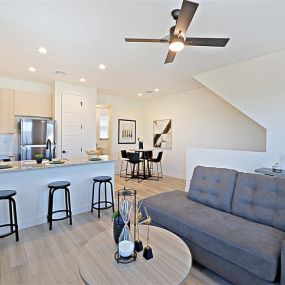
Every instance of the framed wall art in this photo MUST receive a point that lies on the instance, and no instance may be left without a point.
(126, 131)
(162, 134)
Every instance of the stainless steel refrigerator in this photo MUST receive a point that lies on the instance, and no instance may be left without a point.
(36, 136)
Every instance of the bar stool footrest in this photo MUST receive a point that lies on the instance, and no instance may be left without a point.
(102, 208)
(61, 211)
(9, 233)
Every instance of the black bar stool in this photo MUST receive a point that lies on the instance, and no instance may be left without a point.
(97, 205)
(8, 195)
(52, 188)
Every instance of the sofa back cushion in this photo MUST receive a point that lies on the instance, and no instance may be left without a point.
(213, 187)
(261, 199)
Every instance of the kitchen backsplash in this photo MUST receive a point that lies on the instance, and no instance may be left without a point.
(8, 145)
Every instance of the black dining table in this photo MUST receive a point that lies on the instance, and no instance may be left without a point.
(143, 151)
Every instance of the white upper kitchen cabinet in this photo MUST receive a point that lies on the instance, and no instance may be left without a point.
(33, 104)
(42, 105)
(6, 111)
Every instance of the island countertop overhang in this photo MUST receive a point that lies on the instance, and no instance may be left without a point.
(29, 165)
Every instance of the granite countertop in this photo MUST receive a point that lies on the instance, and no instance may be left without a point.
(32, 165)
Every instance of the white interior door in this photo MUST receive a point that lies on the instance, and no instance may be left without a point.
(71, 126)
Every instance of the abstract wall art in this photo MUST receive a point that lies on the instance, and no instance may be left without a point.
(162, 134)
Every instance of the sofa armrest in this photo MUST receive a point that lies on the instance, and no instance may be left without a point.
(282, 277)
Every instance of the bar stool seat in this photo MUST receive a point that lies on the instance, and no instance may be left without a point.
(59, 184)
(107, 204)
(8, 195)
(5, 194)
(54, 186)
(102, 178)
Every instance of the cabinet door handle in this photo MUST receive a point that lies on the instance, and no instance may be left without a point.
(64, 151)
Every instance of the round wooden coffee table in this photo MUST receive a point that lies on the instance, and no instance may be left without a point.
(171, 262)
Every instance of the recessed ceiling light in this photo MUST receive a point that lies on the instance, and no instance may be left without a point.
(82, 79)
(102, 66)
(139, 94)
(42, 50)
(156, 89)
(32, 69)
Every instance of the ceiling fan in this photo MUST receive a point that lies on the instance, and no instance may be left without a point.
(177, 37)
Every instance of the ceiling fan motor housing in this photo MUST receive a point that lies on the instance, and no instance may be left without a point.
(175, 14)
(179, 37)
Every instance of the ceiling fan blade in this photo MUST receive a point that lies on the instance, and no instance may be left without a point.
(166, 37)
(170, 57)
(136, 40)
(212, 42)
(187, 12)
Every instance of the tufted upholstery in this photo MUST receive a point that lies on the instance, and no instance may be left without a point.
(261, 199)
(213, 187)
(251, 246)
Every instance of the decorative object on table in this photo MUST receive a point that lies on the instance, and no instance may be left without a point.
(57, 161)
(92, 152)
(147, 253)
(39, 158)
(140, 140)
(118, 225)
(4, 165)
(162, 133)
(138, 242)
(94, 158)
(126, 201)
(126, 131)
(269, 172)
(277, 168)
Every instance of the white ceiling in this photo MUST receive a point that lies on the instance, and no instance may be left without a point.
(81, 35)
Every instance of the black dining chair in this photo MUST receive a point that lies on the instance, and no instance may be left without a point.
(124, 158)
(158, 163)
(147, 156)
(134, 160)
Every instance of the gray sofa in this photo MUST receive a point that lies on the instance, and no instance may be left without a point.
(233, 223)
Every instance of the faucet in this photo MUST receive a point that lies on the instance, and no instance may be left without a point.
(49, 148)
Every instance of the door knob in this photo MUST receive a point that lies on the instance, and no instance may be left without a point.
(63, 151)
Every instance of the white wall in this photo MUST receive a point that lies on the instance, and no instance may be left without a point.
(257, 88)
(122, 108)
(200, 119)
(89, 96)
(244, 161)
(20, 85)
(8, 142)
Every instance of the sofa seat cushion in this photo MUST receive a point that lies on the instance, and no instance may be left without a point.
(251, 246)
(260, 198)
(213, 187)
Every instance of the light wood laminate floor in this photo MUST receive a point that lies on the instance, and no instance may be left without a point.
(50, 257)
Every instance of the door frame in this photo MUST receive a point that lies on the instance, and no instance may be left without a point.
(107, 106)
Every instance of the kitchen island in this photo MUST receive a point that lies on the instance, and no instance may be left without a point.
(31, 180)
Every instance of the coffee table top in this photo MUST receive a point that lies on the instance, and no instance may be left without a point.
(171, 262)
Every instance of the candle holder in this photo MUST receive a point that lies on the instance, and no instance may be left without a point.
(138, 242)
(126, 201)
(147, 253)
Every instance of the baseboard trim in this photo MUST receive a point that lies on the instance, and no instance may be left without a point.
(43, 220)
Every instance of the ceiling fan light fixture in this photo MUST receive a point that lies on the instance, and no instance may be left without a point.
(176, 45)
